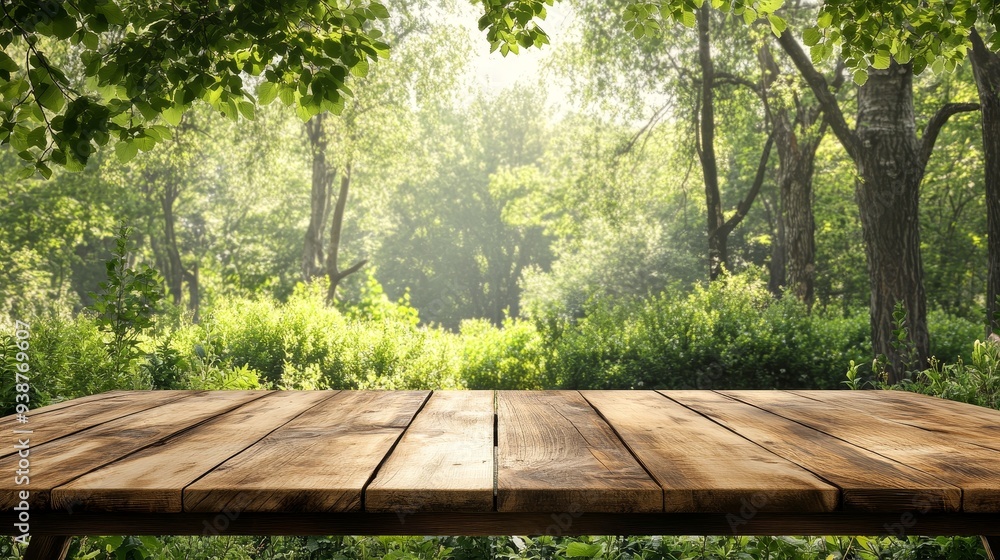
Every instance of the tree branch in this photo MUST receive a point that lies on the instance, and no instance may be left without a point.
(821, 90)
(935, 123)
(758, 182)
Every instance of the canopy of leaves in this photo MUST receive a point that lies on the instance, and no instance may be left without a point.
(147, 60)
(869, 33)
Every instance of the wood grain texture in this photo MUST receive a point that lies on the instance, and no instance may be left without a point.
(10, 421)
(970, 423)
(556, 454)
(44, 547)
(68, 417)
(152, 480)
(704, 467)
(868, 482)
(974, 469)
(318, 462)
(56, 463)
(444, 462)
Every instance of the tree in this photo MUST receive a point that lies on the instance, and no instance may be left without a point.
(719, 227)
(146, 60)
(889, 156)
(986, 69)
(799, 128)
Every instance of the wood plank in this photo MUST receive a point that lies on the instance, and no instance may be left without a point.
(554, 453)
(10, 421)
(56, 463)
(152, 480)
(868, 482)
(974, 469)
(967, 422)
(704, 467)
(45, 547)
(318, 462)
(444, 462)
(49, 424)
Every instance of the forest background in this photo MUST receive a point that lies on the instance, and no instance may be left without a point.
(675, 200)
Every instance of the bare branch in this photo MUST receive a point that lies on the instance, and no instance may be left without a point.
(934, 125)
(821, 90)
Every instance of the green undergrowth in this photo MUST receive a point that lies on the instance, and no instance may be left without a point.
(729, 334)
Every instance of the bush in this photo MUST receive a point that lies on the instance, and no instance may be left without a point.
(512, 357)
(303, 344)
(729, 334)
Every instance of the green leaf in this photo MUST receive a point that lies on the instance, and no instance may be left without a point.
(881, 60)
(125, 151)
(247, 110)
(145, 142)
(688, 18)
(111, 12)
(64, 27)
(266, 92)
(38, 138)
(7, 63)
(379, 10)
(173, 114)
(777, 24)
(811, 36)
(824, 20)
(860, 76)
(43, 170)
(91, 40)
(584, 550)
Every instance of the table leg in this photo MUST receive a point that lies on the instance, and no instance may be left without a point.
(992, 545)
(46, 547)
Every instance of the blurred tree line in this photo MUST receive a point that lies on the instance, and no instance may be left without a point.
(687, 155)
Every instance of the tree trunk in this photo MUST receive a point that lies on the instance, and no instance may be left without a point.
(194, 292)
(718, 254)
(174, 274)
(793, 258)
(319, 201)
(890, 170)
(333, 251)
(986, 68)
(797, 225)
(890, 162)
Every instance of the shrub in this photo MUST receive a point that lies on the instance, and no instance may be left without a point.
(731, 333)
(512, 357)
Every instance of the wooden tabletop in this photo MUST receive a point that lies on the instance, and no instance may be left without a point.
(628, 452)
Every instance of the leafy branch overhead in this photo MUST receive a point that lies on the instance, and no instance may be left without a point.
(146, 62)
(868, 33)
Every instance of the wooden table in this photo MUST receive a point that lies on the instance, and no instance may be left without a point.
(504, 462)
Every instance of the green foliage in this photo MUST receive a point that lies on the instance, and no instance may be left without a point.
(976, 381)
(125, 305)
(73, 354)
(512, 357)
(11, 348)
(729, 334)
(304, 344)
(146, 61)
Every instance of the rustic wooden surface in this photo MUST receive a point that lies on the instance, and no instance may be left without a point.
(703, 466)
(561, 456)
(554, 453)
(444, 462)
